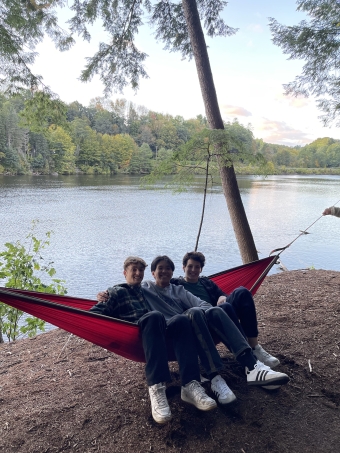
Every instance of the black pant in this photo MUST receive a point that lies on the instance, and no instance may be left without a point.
(240, 307)
(215, 320)
(155, 330)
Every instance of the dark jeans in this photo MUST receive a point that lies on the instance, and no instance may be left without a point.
(155, 331)
(240, 307)
(223, 327)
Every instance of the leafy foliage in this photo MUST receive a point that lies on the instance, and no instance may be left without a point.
(61, 145)
(78, 145)
(23, 25)
(41, 111)
(204, 152)
(316, 41)
(23, 267)
(119, 62)
(321, 153)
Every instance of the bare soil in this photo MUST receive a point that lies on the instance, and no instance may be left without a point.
(62, 394)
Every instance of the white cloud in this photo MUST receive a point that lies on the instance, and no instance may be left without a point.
(280, 132)
(293, 101)
(234, 110)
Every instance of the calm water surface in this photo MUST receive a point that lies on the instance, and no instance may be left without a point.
(98, 221)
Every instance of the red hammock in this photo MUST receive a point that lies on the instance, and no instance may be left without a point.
(120, 337)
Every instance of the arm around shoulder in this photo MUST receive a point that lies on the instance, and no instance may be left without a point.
(107, 305)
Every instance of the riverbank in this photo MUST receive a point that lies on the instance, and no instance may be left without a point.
(62, 394)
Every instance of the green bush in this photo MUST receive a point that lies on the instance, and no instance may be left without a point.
(23, 267)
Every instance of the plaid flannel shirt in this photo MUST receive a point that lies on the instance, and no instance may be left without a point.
(125, 302)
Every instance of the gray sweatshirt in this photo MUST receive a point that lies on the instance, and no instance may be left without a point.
(172, 300)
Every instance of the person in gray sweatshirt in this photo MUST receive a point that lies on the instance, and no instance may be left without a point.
(171, 299)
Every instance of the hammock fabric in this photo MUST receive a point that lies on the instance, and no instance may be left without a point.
(121, 337)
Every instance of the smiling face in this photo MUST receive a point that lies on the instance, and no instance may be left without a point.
(163, 273)
(192, 271)
(134, 274)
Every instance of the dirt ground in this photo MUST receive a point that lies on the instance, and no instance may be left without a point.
(62, 394)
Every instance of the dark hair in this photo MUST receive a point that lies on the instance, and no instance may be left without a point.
(197, 256)
(159, 258)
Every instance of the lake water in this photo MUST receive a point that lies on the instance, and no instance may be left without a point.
(98, 221)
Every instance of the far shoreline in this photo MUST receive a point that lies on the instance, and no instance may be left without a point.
(240, 171)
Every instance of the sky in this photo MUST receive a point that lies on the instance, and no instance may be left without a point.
(248, 70)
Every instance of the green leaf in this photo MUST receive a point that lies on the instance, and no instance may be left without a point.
(18, 269)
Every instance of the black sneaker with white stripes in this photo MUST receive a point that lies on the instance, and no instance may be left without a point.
(263, 376)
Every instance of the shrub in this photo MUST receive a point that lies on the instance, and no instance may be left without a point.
(23, 267)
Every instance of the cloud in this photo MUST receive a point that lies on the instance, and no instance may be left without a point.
(234, 110)
(296, 102)
(281, 133)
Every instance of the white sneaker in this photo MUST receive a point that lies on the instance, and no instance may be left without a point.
(159, 404)
(264, 376)
(220, 388)
(194, 393)
(264, 357)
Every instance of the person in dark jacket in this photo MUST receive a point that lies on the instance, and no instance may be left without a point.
(239, 305)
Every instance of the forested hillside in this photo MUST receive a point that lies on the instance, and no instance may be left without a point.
(43, 137)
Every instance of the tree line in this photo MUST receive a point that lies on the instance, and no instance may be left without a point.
(42, 136)
(104, 138)
(320, 156)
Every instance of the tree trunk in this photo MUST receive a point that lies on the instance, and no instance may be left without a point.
(231, 191)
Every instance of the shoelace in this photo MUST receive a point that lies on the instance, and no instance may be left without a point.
(160, 397)
(221, 388)
(197, 389)
(261, 366)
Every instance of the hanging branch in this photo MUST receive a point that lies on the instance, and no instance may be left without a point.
(204, 198)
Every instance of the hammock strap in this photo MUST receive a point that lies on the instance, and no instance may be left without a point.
(301, 234)
(264, 273)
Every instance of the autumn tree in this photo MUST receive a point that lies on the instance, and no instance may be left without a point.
(62, 149)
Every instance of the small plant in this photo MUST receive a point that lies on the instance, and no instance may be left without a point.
(23, 267)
